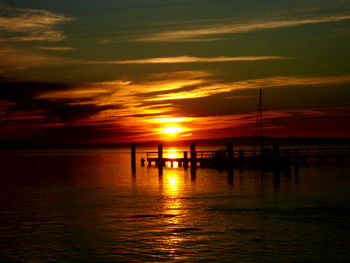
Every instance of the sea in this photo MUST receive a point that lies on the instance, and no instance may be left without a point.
(86, 205)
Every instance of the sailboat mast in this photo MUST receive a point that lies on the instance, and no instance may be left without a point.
(261, 113)
(259, 119)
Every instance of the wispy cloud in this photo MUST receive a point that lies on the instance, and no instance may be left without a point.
(15, 58)
(210, 87)
(196, 84)
(202, 33)
(280, 81)
(105, 41)
(189, 59)
(55, 48)
(31, 24)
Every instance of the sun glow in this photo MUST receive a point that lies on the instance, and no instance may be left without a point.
(172, 153)
(172, 130)
(169, 120)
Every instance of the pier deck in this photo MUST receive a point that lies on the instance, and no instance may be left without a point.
(249, 158)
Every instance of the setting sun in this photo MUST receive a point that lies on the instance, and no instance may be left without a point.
(172, 130)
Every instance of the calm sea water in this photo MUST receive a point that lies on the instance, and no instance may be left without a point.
(86, 206)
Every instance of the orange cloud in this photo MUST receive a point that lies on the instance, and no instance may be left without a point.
(148, 107)
(210, 88)
(14, 58)
(189, 59)
(55, 48)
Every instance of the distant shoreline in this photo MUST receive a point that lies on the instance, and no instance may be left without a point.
(237, 141)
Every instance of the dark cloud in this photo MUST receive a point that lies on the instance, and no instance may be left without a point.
(23, 114)
(58, 111)
(22, 91)
(85, 134)
(68, 135)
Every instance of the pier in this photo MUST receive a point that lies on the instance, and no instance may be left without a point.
(264, 157)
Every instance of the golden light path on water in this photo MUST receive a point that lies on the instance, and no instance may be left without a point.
(173, 191)
(172, 153)
(93, 209)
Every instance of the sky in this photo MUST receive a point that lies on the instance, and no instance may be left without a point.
(103, 71)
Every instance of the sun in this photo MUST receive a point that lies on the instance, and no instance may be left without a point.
(172, 130)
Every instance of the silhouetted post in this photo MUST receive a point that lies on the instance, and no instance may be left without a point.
(254, 159)
(133, 158)
(160, 171)
(276, 178)
(193, 155)
(287, 153)
(185, 160)
(142, 161)
(276, 153)
(241, 159)
(276, 149)
(296, 156)
(230, 176)
(229, 149)
(296, 173)
(241, 155)
(262, 151)
(287, 156)
(160, 155)
(193, 173)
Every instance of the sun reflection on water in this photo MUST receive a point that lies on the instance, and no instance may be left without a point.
(172, 153)
(173, 189)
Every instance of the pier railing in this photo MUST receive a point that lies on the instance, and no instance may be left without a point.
(264, 156)
(179, 154)
(259, 152)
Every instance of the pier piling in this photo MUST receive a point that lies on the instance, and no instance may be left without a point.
(160, 155)
(241, 155)
(193, 155)
(276, 149)
(251, 159)
(133, 158)
(185, 160)
(229, 149)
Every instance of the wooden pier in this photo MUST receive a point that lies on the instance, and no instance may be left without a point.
(261, 158)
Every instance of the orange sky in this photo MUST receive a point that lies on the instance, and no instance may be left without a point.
(172, 71)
